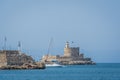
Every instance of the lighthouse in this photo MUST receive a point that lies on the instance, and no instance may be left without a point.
(71, 51)
(67, 45)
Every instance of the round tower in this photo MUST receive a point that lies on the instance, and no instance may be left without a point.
(67, 45)
(67, 51)
(71, 51)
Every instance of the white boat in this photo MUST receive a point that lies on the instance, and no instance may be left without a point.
(53, 65)
(54, 62)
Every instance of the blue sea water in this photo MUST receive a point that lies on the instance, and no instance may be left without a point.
(106, 71)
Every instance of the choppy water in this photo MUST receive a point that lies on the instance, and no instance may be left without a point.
(76, 72)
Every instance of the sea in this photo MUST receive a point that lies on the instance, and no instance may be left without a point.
(100, 71)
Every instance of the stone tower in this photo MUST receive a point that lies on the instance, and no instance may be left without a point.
(71, 51)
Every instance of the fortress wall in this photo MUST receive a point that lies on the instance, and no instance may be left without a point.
(71, 52)
(3, 60)
(75, 51)
(11, 57)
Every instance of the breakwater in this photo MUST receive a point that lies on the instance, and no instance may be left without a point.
(26, 66)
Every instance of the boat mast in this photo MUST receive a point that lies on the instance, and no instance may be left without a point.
(48, 53)
(50, 43)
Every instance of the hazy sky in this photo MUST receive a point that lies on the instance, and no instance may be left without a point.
(93, 25)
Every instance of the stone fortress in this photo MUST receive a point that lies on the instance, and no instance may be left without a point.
(14, 57)
(71, 56)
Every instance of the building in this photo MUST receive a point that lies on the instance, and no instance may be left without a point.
(14, 57)
(71, 55)
(71, 51)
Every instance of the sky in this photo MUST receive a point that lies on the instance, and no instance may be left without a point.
(92, 25)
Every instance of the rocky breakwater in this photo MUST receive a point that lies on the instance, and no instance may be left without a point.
(37, 65)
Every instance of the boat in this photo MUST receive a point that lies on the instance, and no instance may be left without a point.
(53, 64)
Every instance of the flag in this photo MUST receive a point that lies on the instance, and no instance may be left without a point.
(72, 42)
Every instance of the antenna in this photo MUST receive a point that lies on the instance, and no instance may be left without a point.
(19, 47)
(5, 40)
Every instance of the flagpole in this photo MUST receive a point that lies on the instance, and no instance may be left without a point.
(5, 40)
